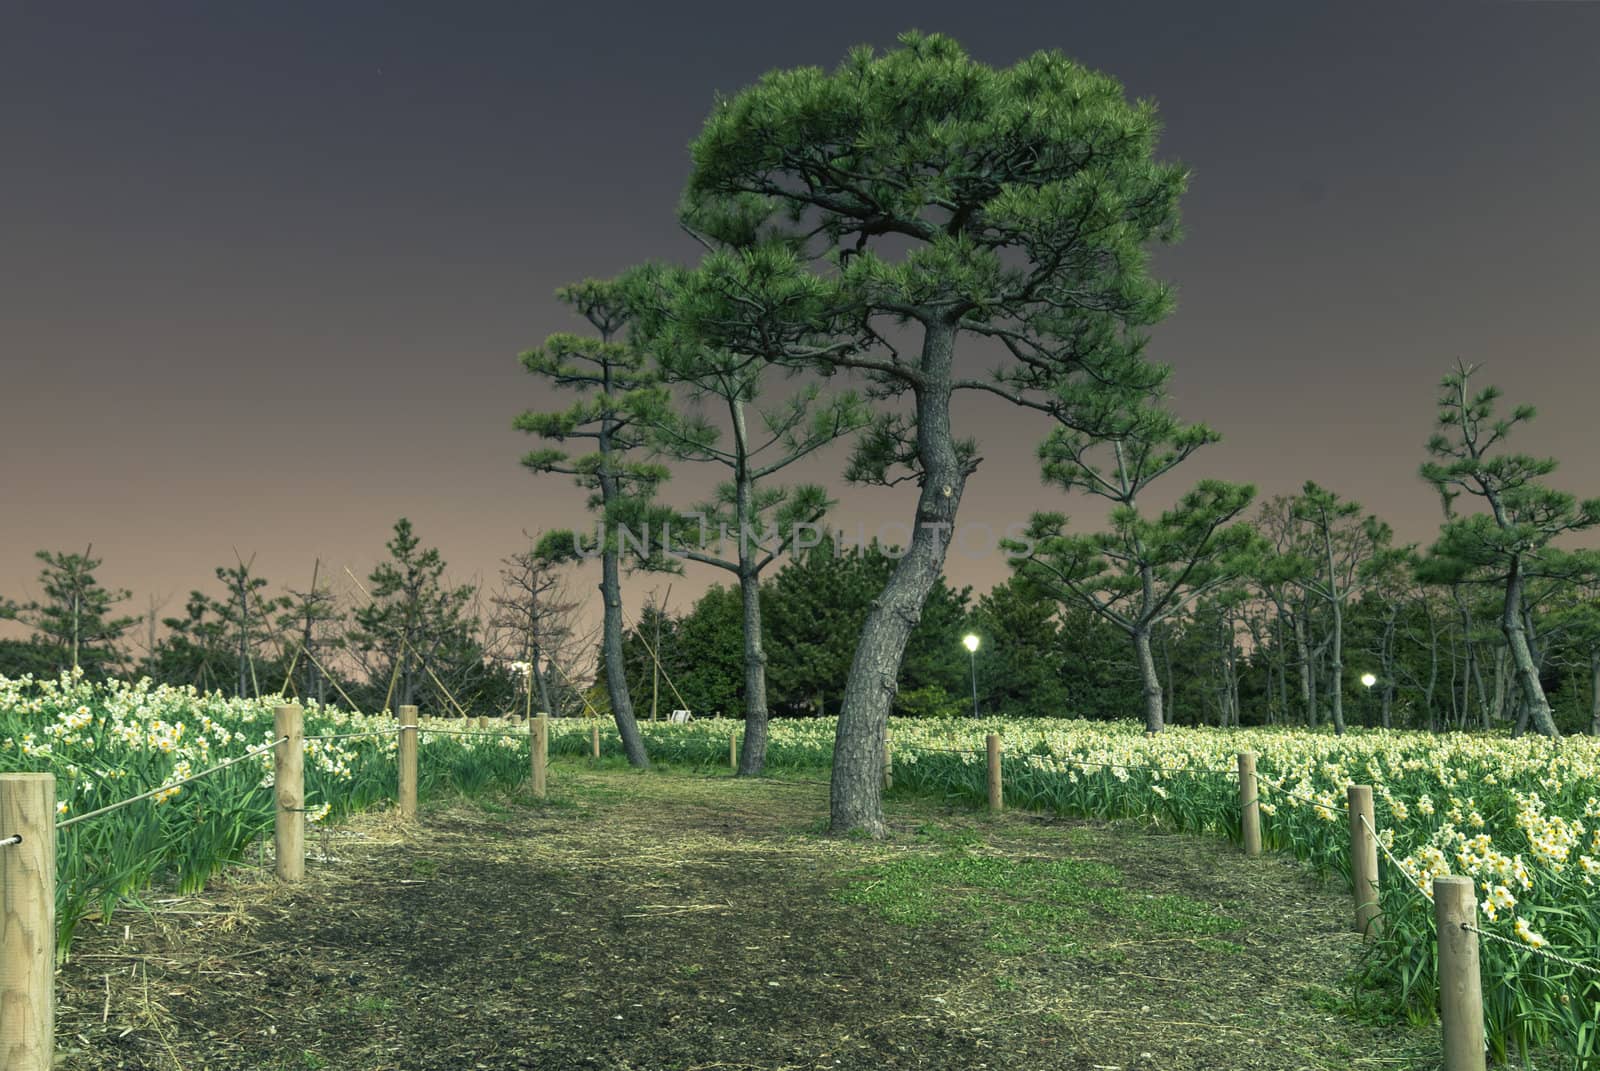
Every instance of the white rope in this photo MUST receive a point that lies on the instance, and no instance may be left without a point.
(253, 753)
(1411, 878)
(369, 732)
(1530, 948)
(471, 732)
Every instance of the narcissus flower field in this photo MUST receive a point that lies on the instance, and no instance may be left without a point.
(108, 742)
(1520, 817)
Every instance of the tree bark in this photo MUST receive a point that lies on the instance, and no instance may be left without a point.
(1283, 666)
(1171, 695)
(1303, 653)
(1483, 694)
(1501, 656)
(1433, 668)
(1336, 604)
(542, 680)
(1336, 669)
(753, 756)
(1594, 691)
(1231, 674)
(1154, 721)
(616, 670)
(1466, 644)
(856, 791)
(1533, 698)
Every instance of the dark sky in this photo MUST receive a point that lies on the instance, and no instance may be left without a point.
(265, 269)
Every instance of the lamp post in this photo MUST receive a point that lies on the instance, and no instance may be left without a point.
(1369, 680)
(970, 641)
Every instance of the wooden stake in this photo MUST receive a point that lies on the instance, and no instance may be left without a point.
(992, 744)
(733, 751)
(483, 721)
(888, 761)
(406, 793)
(539, 745)
(594, 740)
(28, 901)
(1249, 804)
(289, 785)
(1455, 906)
(1364, 859)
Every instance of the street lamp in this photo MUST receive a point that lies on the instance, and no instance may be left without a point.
(970, 641)
(1368, 679)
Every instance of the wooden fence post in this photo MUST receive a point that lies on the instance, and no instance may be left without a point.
(406, 793)
(483, 721)
(28, 901)
(733, 752)
(539, 747)
(1249, 804)
(888, 761)
(594, 741)
(289, 786)
(1364, 859)
(1455, 906)
(992, 745)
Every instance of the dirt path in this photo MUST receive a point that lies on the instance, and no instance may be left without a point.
(677, 921)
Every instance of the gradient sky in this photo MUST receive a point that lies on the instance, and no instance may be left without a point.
(265, 269)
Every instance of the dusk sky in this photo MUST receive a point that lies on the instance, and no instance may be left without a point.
(265, 269)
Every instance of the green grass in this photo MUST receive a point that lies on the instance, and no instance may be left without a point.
(1023, 906)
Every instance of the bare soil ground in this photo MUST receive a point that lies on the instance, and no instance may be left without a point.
(680, 921)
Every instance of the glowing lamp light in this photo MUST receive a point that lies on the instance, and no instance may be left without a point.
(970, 642)
(1368, 679)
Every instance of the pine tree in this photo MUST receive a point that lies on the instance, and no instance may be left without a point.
(621, 399)
(73, 625)
(1511, 543)
(953, 201)
(1143, 570)
(719, 330)
(413, 619)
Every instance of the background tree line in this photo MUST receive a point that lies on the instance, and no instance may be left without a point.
(1260, 652)
(403, 635)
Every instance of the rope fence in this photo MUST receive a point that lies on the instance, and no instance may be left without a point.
(427, 731)
(250, 754)
(921, 749)
(365, 734)
(28, 894)
(1543, 953)
(1452, 898)
(1396, 862)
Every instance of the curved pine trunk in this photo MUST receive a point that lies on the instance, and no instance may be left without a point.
(856, 791)
(616, 675)
(1533, 697)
